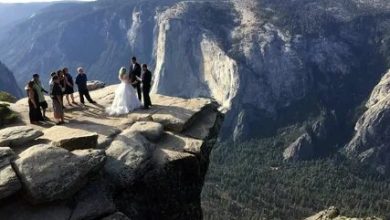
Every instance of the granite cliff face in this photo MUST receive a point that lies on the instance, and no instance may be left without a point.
(8, 82)
(145, 165)
(260, 59)
(370, 144)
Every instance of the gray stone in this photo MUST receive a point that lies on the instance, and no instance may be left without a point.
(71, 138)
(126, 156)
(19, 209)
(180, 143)
(19, 135)
(203, 124)
(151, 130)
(116, 216)
(95, 84)
(93, 201)
(50, 173)
(9, 182)
(6, 155)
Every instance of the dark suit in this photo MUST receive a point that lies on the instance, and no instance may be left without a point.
(146, 86)
(134, 73)
(81, 81)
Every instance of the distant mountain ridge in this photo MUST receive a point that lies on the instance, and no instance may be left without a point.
(10, 14)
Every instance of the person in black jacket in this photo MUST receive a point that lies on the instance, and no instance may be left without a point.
(69, 84)
(35, 113)
(81, 81)
(135, 73)
(146, 80)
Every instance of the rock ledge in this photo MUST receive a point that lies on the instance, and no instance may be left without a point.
(149, 164)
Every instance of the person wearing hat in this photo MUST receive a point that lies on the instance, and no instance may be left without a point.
(39, 91)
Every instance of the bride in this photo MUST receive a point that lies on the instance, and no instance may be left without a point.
(125, 99)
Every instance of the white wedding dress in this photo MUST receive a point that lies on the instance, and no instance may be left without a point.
(125, 99)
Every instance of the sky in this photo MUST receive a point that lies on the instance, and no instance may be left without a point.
(26, 1)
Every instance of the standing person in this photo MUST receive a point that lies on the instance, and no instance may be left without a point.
(81, 81)
(135, 73)
(33, 104)
(51, 83)
(125, 99)
(62, 79)
(41, 97)
(146, 80)
(62, 84)
(56, 95)
(68, 86)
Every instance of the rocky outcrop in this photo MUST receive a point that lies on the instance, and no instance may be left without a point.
(149, 164)
(49, 173)
(371, 143)
(300, 149)
(317, 141)
(332, 213)
(95, 84)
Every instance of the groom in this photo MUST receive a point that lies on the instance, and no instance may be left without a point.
(135, 73)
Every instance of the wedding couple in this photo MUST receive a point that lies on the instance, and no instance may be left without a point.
(126, 99)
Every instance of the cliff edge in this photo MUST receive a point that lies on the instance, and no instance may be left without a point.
(149, 164)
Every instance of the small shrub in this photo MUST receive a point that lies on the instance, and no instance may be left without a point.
(6, 97)
(7, 116)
